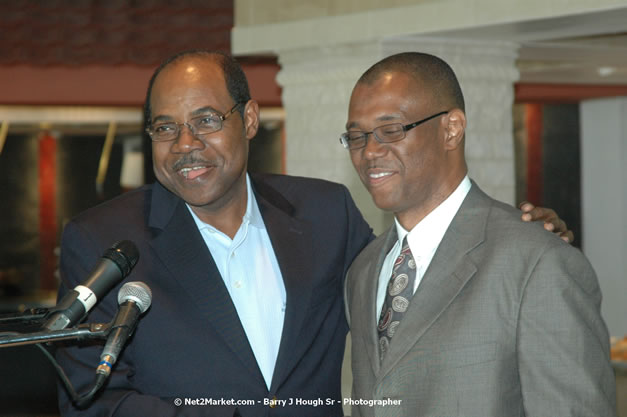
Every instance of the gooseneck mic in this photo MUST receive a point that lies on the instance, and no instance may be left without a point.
(134, 299)
(115, 264)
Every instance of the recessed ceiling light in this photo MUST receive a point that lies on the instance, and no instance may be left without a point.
(606, 71)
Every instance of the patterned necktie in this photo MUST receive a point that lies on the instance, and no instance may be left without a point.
(399, 292)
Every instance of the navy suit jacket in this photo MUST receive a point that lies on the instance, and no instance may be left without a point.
(190, 344)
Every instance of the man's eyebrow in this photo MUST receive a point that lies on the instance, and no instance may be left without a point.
(162, 118)
(205, 110)
(384, 118)
(198, 112)
(388, 117)
(351, 125)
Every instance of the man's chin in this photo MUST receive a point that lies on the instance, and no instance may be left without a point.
(384, 204)
(194, 200)
(193, 197)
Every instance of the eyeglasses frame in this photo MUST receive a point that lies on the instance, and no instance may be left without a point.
(222, 118)
(345, 141)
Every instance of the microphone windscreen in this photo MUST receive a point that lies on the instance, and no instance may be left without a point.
(138, 292)
(124, 254)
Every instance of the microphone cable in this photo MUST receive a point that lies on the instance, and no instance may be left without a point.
(81, 400)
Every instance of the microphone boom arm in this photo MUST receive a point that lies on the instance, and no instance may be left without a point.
(83, 331)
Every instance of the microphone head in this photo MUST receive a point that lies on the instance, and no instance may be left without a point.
(124, 254)
(137, 292)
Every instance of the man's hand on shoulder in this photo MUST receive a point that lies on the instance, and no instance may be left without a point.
(552, 222)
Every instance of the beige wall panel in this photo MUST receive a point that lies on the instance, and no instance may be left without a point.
(263, 12)
(258, 12)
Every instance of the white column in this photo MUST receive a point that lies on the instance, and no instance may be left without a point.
(486, 72)
(604, 202)
(317, 83)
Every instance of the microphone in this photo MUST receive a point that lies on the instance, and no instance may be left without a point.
(116, 263)
(134, 299)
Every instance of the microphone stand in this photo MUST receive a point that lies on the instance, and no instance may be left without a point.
(81, 332)
(26, 315)
(26, 321)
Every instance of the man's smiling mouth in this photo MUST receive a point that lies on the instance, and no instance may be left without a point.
(193, 172)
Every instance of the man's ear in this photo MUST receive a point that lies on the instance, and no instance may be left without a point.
(455, 127)
(251, 119)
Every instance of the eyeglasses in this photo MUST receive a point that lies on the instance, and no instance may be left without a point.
(383, 134)
(199, 126)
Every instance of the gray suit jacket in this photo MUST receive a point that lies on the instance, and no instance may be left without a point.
(506, 322)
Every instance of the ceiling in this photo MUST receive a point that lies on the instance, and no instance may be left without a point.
(599, 59)
(586, 48)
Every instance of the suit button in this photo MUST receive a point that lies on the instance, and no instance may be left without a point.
(273, 402)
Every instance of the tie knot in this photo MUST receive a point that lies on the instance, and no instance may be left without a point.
(405, 246)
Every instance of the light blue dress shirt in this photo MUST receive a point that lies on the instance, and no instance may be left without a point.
(252, 276)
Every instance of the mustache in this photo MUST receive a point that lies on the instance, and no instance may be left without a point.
(190, 159)
(377, 165)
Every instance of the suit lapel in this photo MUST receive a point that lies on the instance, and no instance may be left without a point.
(291, 242)
(449, 271)
(182, 249)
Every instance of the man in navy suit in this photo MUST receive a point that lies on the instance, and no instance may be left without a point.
(246, 271)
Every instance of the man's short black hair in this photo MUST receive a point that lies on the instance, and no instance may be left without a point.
(428, 69)
(236, 82)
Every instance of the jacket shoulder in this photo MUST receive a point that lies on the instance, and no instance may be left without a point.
(373, 252)
(296, 184)
(130, 208)
(303, 195)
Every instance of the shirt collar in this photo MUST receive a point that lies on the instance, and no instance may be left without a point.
(428, 233)
(252, 215)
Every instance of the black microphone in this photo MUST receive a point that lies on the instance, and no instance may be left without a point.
(115, 264)
(134, 299)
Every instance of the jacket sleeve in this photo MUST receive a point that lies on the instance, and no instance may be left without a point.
(359, 232)
(359, 235)
(562, 341)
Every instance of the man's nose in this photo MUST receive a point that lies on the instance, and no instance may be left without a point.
(373, 148)
(187, 141)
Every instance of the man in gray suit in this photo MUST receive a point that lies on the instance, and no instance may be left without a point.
(459, 309)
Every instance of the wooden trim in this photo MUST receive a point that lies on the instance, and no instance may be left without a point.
(533, 126)
(564, 93)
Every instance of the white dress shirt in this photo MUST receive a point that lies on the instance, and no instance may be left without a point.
(251, 273)
(423, 240)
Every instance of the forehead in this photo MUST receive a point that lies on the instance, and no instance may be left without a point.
(187, 85)
(392, 92)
